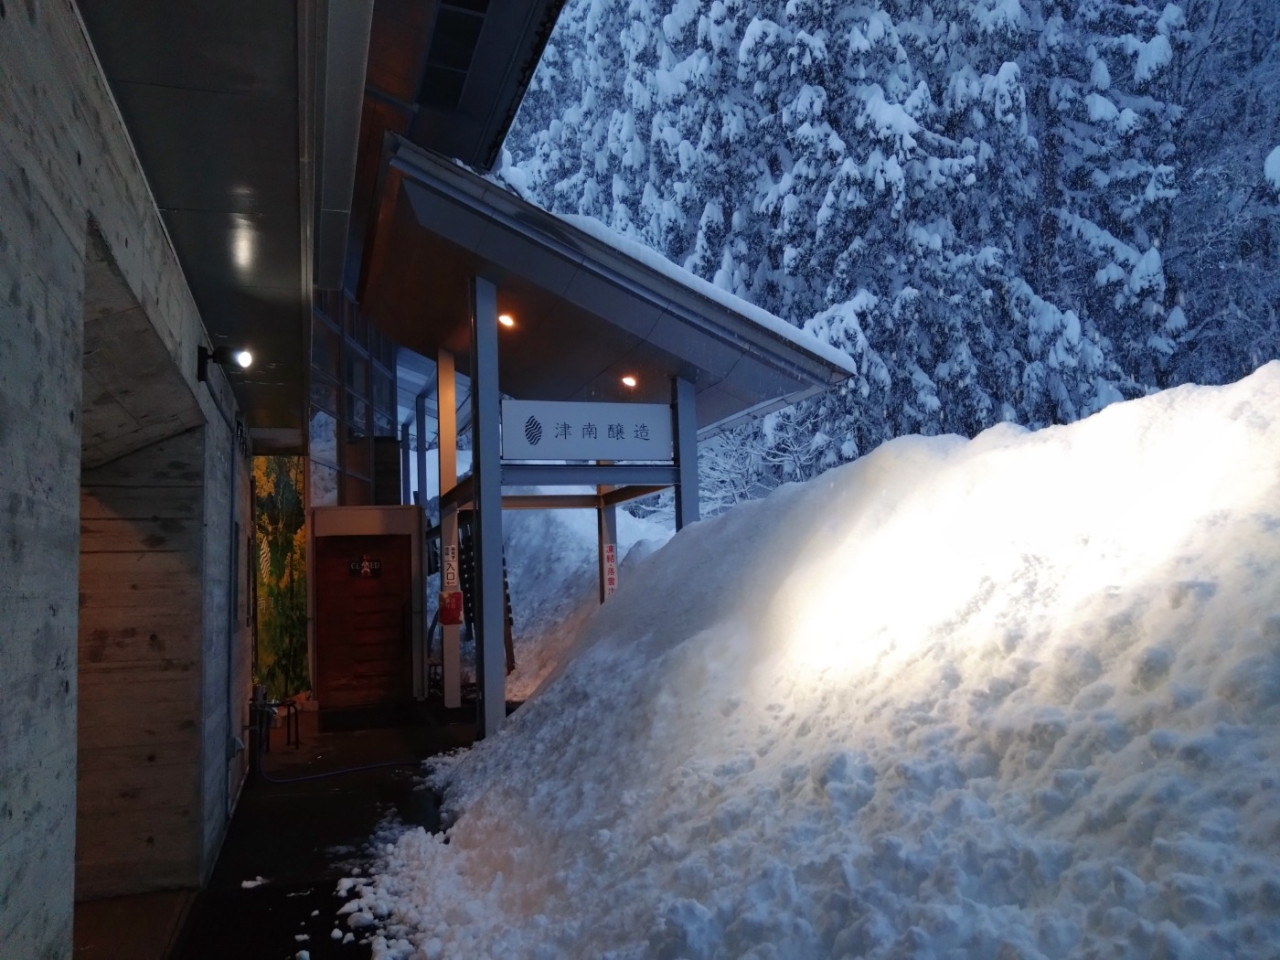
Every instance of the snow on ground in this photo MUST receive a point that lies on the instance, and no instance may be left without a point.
(552, 563)
(1015, 697)
(551, 558)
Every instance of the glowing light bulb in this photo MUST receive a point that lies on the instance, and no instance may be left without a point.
(506, 319)
(628, 381)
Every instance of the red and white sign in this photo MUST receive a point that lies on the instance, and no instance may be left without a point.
(450, 608)
(610, 569)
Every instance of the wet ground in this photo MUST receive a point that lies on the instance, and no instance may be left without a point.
(272, 893)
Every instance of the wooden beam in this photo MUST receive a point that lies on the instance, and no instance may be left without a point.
(550, 501)
(634, 492)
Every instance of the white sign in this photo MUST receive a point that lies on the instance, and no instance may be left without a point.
(552, 430)
(449, 561)
(610, 569)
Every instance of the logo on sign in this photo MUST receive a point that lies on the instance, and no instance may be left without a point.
(533, 431)
(365, 566)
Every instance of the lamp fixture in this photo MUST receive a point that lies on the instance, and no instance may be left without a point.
(506, 319)
(629, 382)
(223, 356)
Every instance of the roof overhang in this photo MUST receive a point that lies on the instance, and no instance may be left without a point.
(586, 312)
(248, 119)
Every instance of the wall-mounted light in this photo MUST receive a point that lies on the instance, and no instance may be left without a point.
(629, 382)
(506, 319)
(223, 356)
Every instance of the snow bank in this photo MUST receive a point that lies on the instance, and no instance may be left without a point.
(1015, 697)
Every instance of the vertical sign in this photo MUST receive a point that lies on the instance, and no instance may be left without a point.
(610, 569)
(449, 565)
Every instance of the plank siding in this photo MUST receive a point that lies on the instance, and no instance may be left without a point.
(139, 783)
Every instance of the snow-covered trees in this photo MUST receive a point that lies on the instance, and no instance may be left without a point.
(1224, 242)
(982, 201)
(1110, 174)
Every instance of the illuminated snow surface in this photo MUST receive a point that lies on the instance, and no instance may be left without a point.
(1015, 697)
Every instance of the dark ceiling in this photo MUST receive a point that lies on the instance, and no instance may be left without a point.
(261, 135)
(209, 91)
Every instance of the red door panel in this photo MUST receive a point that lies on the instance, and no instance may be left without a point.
(364, 655)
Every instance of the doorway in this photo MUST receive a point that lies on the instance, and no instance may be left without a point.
(364, 621)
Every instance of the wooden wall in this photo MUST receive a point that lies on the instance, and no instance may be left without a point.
(139, 786)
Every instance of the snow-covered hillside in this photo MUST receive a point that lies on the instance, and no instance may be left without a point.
(1014, 697)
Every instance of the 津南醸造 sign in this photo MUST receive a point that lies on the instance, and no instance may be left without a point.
(553, 430)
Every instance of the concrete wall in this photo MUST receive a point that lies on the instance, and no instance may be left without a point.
(224, 704)
(65, 160)
(40, 351)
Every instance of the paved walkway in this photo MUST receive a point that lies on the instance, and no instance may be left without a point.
(272, 892)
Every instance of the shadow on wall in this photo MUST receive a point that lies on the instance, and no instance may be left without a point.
(279, 516)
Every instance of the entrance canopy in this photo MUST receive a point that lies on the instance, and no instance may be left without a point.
(543, 309)
(589, 307)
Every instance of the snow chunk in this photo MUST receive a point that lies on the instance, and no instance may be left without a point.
(1271, 169)
(1148, 274)
(999, 15)
(677, 21)
(1101, 110)
(888, 119)
(1153, 56)
(1099, 75)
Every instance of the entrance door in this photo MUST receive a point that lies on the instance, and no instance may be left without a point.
(364, 603)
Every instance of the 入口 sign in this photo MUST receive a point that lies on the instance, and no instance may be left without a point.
(554, 430)
(450, 565)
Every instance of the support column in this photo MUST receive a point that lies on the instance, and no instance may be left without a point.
(420, 416)
(607, 526)
(684, 413)
(487, 485)
(447, 412)
(406, 451)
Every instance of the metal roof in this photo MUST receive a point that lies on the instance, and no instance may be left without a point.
(586, 312)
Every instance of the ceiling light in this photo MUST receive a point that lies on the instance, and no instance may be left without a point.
(629, 381)
(244, 245)
(506, 319)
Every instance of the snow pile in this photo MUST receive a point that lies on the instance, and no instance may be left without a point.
(1015, 697)
(552, 559)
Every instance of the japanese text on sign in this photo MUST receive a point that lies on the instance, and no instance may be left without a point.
(552, 430)
(610, 569)
(449, 563)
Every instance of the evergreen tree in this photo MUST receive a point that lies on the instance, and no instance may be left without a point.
(979, 200)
